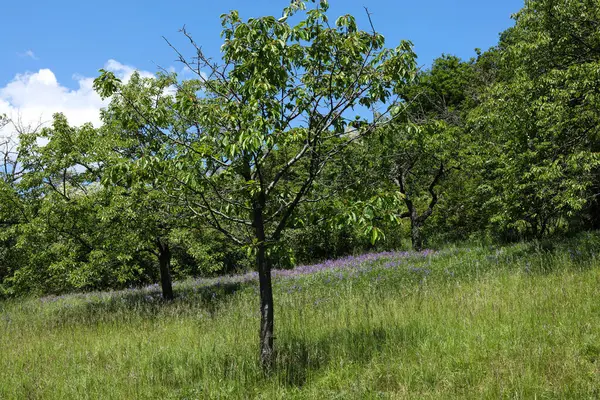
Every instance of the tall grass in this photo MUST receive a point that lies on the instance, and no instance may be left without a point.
(516, 322)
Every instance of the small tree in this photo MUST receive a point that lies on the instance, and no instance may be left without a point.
(419, 153)
(140, 203)
(252, 134)
(60, 231)
(89, 236)
(410, 158)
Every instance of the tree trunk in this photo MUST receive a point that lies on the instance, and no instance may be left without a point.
(594, 210)
(266, 290)
(266, 310)
(415, 231)
(164, 261)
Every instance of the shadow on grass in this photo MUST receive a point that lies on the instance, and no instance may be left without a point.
(298, 358)
(125, 305)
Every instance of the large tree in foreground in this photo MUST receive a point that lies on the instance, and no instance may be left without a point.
(251, 134)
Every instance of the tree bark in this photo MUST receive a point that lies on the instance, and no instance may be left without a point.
(416, 220)
(164, 261)
(266, 290)
(415, 231)
(266, 310)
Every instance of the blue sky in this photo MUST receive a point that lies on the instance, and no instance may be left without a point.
(50, 50)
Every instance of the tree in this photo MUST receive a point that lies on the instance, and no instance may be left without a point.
(251, 135)
(538, 123)
(59, 238)
(413, 155)
(430, 145)
(417, 161)
(70, 239)
(15, 204)
(140, 203)
(142, 219)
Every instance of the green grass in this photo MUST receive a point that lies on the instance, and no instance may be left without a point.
(516, 322)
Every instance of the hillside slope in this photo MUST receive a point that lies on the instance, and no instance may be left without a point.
(472, 322)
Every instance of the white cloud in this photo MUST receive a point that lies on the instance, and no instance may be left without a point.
(187, 73)
(123, 71)
(30, 54)
(36, 96)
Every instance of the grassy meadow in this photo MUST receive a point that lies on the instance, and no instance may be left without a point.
(521, 321)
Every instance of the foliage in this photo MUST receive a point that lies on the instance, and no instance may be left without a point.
(308, 139)
(401, 171)
(248, 138)
(538, 125)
